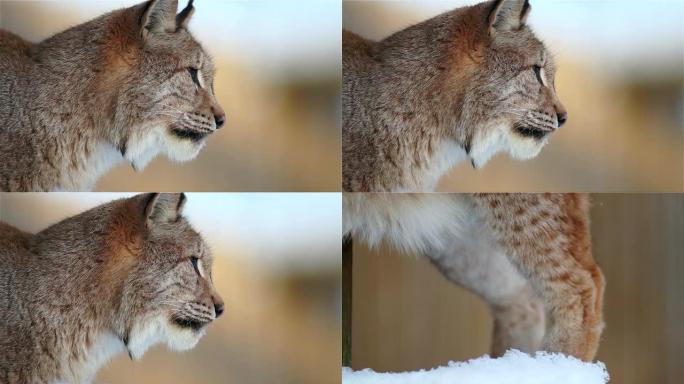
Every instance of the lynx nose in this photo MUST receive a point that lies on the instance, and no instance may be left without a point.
(562, 118)
(218, 309)
(218, 303)
(219, 115)
(220, 120)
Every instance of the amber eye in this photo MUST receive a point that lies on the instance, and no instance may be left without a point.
(537, 71)
(194, 74)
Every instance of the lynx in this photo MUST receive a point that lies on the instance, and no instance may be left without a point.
(118, 278)
(526, 255)
(467, 84)
(126, 86)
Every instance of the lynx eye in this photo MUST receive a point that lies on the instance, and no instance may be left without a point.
(538, 71)
(194, 74)
(195, 264)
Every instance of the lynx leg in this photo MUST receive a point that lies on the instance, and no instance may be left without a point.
(547, 238)
(480, 266)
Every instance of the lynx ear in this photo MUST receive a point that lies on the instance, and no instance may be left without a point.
(164, 207)
(184, 17)
(508, 15)
(159, 16)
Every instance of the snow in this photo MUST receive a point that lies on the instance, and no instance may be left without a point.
(514, 367)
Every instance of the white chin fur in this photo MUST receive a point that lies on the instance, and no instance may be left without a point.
(525, 148)
(143, 148)
(182, 339)
(157, 330)
(501, 138)
(181, 151)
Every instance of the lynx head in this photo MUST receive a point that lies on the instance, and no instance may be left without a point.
(165, 83)
(510, 102)
(168, 294)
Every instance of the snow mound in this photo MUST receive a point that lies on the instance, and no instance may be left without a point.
(514, 367)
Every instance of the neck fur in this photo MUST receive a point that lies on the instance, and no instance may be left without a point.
(84, 138)
(421, 134)
(88, 331)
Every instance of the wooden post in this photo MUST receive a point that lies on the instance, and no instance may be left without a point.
(347, 253)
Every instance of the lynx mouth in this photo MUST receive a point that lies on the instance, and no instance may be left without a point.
(189, 134)
(189, 323)
(533, 132)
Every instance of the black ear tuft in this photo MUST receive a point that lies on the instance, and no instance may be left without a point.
(183, 18)
(163, 208)
(508, 15)
(527, 8)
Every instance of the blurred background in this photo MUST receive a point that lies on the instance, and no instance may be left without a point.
(279, 73)
(620, 75)
(407, 316)
(278, 268)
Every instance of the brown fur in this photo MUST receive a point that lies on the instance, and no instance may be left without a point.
(85, 289)
(113, 89)
(547, 237)
(460, 85)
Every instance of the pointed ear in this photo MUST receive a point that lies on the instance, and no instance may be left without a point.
(183, 18)
(159, 16)
(508, 15)
(163, 208)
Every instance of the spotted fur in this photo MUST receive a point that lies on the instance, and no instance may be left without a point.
(126, 86)
(464, 85)
(527, 255)
(118, 278)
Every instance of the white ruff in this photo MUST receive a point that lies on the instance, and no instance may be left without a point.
(141, 150)
(501, 138)
(446, 156)
(412, 223)
(105, 347)
(157, 330)
(103, 158)
(143, 336)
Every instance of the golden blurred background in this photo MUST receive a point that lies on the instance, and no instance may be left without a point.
(279, 74)
(277, 270)
(406, 316)
(621, 77)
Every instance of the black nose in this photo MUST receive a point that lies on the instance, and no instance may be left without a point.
(220, 120)
(218, 308)
(562, 118)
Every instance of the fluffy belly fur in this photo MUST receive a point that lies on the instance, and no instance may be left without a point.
(410, 222)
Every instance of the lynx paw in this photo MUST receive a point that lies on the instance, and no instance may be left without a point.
(518, 325)
(582, 343)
